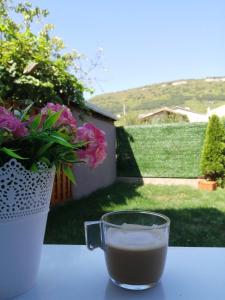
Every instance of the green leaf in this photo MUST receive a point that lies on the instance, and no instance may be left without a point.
(63, 135)
(11, 153)
(69, 173)
(43, 149)
(52, 119)
(36, 122)
(24, 114)
(68, 156)
(59, 140)
(34, 167)
(79, 145)
(45, 160)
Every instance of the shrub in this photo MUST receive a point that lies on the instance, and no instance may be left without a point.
(213, 152)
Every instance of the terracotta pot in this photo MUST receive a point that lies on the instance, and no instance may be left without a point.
(207, 185)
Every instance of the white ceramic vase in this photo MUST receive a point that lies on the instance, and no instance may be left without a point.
(24, 206)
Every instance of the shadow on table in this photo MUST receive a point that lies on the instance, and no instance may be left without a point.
(113, 292)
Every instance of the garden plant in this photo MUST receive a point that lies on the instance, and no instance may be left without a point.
(213, 152)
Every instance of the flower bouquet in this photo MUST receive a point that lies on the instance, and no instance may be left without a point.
(50, 137)
(31, 148)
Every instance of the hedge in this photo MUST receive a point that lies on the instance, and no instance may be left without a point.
(166, 150)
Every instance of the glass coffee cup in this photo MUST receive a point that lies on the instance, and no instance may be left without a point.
(135, 246)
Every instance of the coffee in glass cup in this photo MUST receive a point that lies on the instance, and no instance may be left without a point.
(135, 246)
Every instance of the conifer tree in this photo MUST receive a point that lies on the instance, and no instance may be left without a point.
(213, 152)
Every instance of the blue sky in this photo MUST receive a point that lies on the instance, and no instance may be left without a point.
(144, 41)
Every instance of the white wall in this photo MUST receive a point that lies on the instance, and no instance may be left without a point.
(89, 180)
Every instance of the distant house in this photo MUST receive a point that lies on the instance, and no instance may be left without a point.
(192, 116)
(176, 111)
(160, 114)
(89, 180)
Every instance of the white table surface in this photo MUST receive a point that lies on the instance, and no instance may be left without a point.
(73, 272)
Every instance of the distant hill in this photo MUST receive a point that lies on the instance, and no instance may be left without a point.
(196, 94)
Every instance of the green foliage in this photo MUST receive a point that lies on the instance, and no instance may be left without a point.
(69, 173)
(169, 150)
(213, 152)
(11, 153)
(34, 67)
(198, 95)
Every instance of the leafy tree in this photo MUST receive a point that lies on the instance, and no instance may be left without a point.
(34, 67)
(213, 153)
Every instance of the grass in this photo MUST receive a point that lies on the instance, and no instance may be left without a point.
(160, 150)
(197, 217)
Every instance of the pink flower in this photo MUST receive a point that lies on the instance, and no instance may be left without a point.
(66, 118)
(95, 151)
(11, 124)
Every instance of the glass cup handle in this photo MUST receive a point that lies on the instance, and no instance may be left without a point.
(93, 234)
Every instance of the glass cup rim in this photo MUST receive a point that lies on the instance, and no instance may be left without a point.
(152, 213)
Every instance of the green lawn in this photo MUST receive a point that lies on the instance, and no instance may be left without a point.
(166, 150)
(197, 217)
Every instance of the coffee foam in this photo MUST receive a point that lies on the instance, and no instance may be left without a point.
(136, 237)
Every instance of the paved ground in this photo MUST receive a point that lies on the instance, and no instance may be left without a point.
(162, 181)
